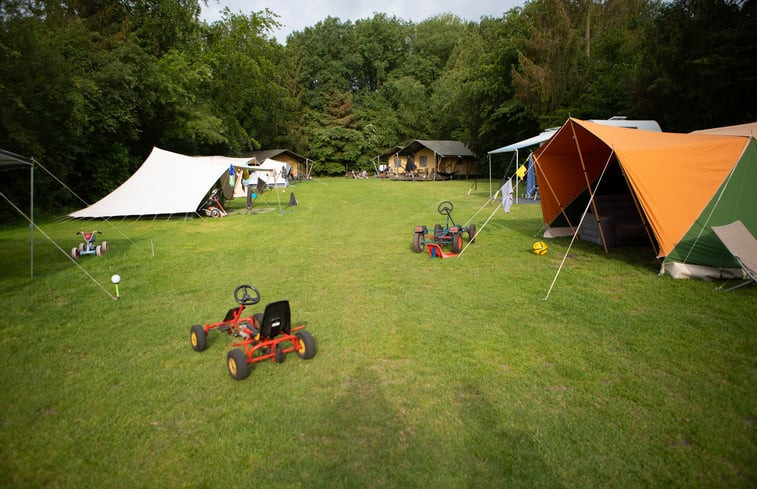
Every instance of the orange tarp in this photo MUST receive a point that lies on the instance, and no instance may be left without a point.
(674, 176)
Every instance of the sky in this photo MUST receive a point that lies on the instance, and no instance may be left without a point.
(295, 15)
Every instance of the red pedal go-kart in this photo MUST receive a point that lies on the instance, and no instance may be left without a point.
(263, 336)
(88, 247)
(449, 234)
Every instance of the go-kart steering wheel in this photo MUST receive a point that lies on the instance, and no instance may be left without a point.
(243, 297)
(445, 208)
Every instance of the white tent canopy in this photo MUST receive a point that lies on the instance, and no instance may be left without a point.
(540, 138)
(166, 183)
(273, 172)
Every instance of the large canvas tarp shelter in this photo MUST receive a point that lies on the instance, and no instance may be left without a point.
(166, 183)
(680, 184)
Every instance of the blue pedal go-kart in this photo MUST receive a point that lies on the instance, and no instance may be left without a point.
(88, 246)
(449, 234)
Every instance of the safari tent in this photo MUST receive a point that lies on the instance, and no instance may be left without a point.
(301, 167)
(439, 159)
(166, 183)
(623, 186)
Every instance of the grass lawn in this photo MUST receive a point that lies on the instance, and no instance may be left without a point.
(430, 373)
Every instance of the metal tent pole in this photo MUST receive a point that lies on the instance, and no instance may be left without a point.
(31, 219)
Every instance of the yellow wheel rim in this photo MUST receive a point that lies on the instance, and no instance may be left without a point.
(232, 366)
(301, 348)
(193, 338)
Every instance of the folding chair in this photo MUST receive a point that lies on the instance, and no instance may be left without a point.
(742, 245)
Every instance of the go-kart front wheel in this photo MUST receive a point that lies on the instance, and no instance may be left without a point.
(236, 361)
(306, 345)
(197, 337)
(471, 233)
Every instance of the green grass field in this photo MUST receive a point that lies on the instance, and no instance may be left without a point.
(430, 373)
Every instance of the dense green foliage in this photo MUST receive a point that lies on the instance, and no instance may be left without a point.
(89, 87)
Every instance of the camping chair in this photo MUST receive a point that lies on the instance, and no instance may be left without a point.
(742, 245)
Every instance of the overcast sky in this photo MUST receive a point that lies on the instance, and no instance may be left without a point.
(295, 15)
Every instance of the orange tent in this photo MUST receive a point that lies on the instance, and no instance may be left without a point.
(670, 177)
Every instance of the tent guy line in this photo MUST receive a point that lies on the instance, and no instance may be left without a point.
(575, 234)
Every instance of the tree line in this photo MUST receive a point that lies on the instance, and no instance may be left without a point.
(88, 87)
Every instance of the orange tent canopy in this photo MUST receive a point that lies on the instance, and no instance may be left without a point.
(673, 176)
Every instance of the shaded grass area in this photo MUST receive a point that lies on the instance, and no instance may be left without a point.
(429, 373)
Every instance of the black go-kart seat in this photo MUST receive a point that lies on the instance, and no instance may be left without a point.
(276, 320)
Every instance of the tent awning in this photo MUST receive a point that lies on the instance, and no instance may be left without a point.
(540, 138)
(9, 160)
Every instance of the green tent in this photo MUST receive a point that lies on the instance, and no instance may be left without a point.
(700, 252)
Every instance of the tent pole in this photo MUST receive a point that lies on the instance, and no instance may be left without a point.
(517, 180)
(31, 218)
(588, 186)
(490, 176)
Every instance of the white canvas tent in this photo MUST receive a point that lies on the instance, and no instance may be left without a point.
(273, 172)
(166, 183)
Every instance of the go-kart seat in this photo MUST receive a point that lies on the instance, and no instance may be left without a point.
(276, 320)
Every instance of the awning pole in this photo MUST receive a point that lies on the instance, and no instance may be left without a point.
(517, 180)
(490, 176)
(31, 218)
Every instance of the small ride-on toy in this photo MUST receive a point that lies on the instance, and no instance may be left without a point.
(263, 336)
(88, 247)
(212, 207)
(447, 235)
